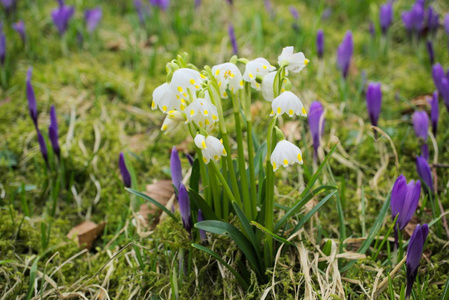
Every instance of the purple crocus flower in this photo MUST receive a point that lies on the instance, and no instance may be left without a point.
(344, 53)
(92, 17)
(184, 207)
(404, 200)
(294, 12)
(176, 168)
(423, 168)
(61, 16)
(414, 18)
(7, 4)
(326, 14)
(432, 19)
(421, 124)
(268, 7)
(19, 27)
(374, 101)
(430, 52)
(124, 171)
(386, 16)
(320, 43)
(434, 112)
(414, 252)
(42, 146)
(162, 4)
(231, 33)
(197, 3)
(2, 45)
(444, 84)
(140, 11)
(32, 105)
(53, 132)
(438, 75)
(203, 236)
(316, 124)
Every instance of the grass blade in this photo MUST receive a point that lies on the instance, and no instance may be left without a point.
(266, 231)
(149, 199)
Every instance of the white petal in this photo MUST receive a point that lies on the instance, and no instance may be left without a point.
(200, 141)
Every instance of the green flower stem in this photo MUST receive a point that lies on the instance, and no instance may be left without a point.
(269, 195)
(226, 187)
(213, 88)
(249, 123)
(241, 160)
(215, 189)
(224, 170)
(203, 171)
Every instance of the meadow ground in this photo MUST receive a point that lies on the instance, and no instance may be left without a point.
(101, 85)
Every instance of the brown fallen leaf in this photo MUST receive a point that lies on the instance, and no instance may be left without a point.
(419, 101)
(86, 233)
(411, 227)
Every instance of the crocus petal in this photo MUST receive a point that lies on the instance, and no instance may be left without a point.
(184, 207)
(126, 176)
(175, 167)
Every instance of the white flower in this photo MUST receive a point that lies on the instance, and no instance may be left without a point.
(295, 62)
(170, 124)
(211, 147)
(184, 79)
(258, 67)
(288, 103)
(165, 98)
(202, 112)
(228, 76)
(285, 154)
(268, 86)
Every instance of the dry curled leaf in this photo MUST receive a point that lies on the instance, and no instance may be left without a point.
(86, 233)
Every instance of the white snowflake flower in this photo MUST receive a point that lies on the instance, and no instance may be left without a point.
(288, 103)
(165, 99)
(294, 62)
(268, 86)
(211, 147)
(184, 79)
(228, 76)
(285, 154)
(171, 124)
(254, 68)
(202, 112)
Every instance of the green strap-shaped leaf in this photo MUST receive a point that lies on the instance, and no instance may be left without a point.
(200, 203)
(300, 204)
(220, 227)
(268, 232)
(313, 211)
(146, 197)
(239, 278)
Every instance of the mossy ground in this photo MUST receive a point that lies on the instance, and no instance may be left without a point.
(102, 94)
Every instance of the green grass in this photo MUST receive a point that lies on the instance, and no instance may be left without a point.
(102, 94)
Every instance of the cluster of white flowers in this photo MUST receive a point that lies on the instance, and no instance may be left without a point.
(187, 99)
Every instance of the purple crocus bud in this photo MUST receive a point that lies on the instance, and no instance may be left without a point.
(386, 16)
(268, 7)
(7, 4)
(374, 101)
(231, 33)
(32, 105)
(421, 124)
(316, 124)
(320, 43)
(414, 252)
(42, 146)
(203, 236)
(92, 17)
(162, 4)
(432, 19)
(404, 200)
(140, 12)
(61, 16)
(124, 171)
(434, 112)
(19, 27)
(176, 168)
(294, 12)
(414, 18)
(430, 52)
(344, 53)
(53, 132)
(230, 2)
(438, 75)
(326, 14)
(197, 3)
(2, 45)
(190, 158)
(184, 207)
(423, 168)
(445, 91)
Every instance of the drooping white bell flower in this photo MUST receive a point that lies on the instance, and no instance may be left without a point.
(268, 86)
(202, 112)
(211, 147)
(254, 68)
(170, 125)
(228, 76)
(285, 154)
(288, 103)
(165, 98)
(184, 79)
(294, 62)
